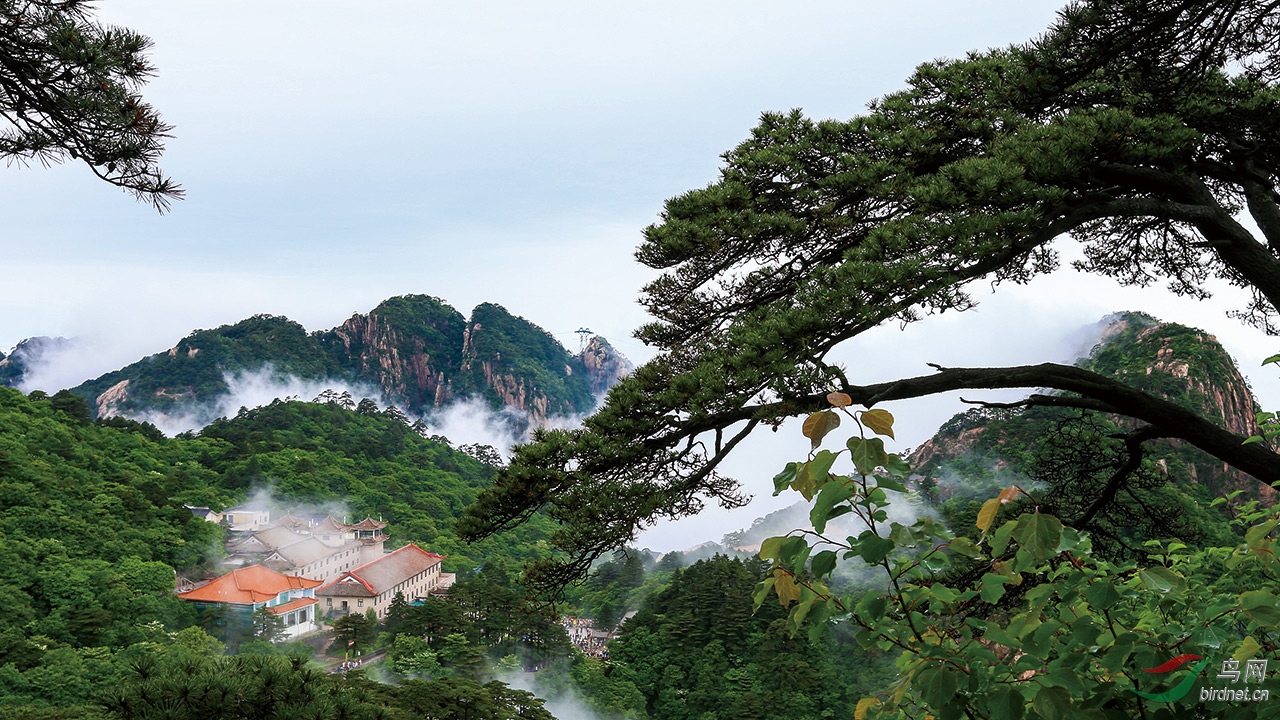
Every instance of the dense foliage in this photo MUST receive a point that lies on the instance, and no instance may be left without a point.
(696, 649)
(186, 682)
(93, 528)
(419, 352)
(1025, 620)
(1140, 129)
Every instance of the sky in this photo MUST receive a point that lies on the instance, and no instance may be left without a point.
(337, 154)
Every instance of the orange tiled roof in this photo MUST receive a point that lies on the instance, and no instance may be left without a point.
(247, 585)
(293, 605)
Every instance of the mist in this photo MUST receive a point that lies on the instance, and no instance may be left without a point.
(264, 495)
(565, 705)
(251, 390)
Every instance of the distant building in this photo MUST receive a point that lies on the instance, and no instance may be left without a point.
(410, 571)
(205, 513)
(247, 589)
(316, 549)
(246, 518)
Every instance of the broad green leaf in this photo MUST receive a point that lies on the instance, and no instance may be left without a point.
(1052, 703)
(897, 467)
(800, 612)
(880, 421)
(1268, 616)
(813, 475)
(1257, 598)
(1117, 656)
(874, 548)
(1000, 538)
(872, 606)
(769, 548)
(937, 685)
(818, 424)
(783, 479)
(831, 494)
(888, 483)
(993, 586)
(1070, 539)
(1161, 579)
(823, 563)
(867, 454)
(865, 704)
(762, 591)
(820, 465)
(1039, 535)
(964, 546)
(943, 593)
(818, 620)
(1256, 533)
(1005, 704)
(1102, 595)
(1247, 649)
(794, 551)
(987, 514)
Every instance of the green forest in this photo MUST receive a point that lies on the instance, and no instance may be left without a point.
(418, 351)
(1104, 547)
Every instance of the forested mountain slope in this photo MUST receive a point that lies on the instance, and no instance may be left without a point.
(1071, 456)
(93, 528)
(414, 350)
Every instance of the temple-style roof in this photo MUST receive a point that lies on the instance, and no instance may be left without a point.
(292, 522)
(328, 526)
(248, 585)
(382, 574)
(367, 524)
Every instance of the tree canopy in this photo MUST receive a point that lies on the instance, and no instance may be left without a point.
(68, 89)
(1144, 130)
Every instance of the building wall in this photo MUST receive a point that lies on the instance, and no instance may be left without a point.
(413, 588)
(344, 558)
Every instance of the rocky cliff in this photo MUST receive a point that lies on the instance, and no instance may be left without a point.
(982, 449)
(515, 363)
(26, 354)
(416, 351)
(604, 365)
(407, 346)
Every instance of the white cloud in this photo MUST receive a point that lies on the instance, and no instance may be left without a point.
(250, 390)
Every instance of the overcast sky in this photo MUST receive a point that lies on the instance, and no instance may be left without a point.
(336, 154)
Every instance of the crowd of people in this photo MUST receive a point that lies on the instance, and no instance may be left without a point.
(349, 665)
(585, 637)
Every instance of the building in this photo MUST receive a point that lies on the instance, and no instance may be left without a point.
(205, 513)
(410, 571)
(246, 518)
(248, 589)
(315, 549)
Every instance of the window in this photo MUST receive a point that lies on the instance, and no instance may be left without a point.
(328, 602)
(302, 615)
(360, 603)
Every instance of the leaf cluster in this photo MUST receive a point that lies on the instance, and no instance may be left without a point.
(69, 89)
